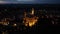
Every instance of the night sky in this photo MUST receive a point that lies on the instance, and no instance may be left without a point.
(31, 1)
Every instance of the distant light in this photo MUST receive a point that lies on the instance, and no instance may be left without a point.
(5, 23)
(51, 16)
(42, 16)
(5, 9)
(58, 16)
(30, 21)
(56, 19)
(14, 24)
(47, 16)
(32, 11)
(5, 32)
(56, 22)
(53, 22)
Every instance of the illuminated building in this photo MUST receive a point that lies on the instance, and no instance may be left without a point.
(14, 24)
(30, 21)
(4, 22)
(6, 32)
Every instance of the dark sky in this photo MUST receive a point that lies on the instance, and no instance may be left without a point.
(31, 1)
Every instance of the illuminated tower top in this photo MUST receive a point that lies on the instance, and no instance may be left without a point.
(32, 11)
